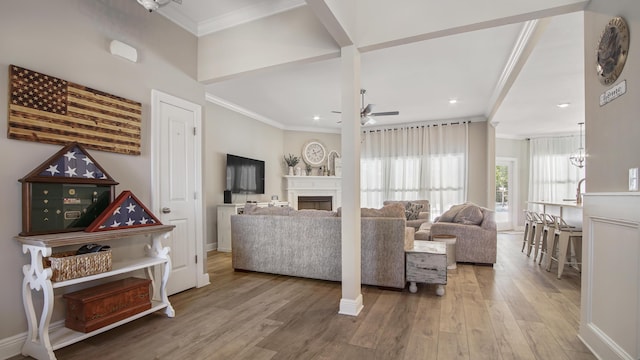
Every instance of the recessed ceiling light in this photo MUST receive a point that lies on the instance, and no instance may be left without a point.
(316, 118)
(453, 101)
(563, 105)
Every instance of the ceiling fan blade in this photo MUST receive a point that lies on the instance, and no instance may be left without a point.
(385, 113)
(367, 110)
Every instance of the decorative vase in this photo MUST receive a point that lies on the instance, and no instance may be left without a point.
(298, 171)
(291, 170)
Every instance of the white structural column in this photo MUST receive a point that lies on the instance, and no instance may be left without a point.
(351, 302)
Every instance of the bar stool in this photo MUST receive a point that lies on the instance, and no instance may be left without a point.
(528, 223)
(564, 233)
(545, 224)
(534, 231)
(549, 228)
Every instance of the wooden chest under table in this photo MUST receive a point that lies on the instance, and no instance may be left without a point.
(98, 306)
(427, 263)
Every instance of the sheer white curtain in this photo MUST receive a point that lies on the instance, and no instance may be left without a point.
(551, 175)
(412, 163)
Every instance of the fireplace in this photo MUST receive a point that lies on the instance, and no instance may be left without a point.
(315, 202)
(325, 187)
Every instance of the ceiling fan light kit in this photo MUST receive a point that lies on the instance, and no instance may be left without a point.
(153, 5)
(366, 112)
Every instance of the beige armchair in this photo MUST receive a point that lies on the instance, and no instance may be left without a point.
(414, 219)
(475, 230)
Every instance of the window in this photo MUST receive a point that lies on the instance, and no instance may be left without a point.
(427, 162)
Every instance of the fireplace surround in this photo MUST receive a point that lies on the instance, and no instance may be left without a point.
(305, 187)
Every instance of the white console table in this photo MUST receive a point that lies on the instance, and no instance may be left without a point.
(224, 220)
(41, 342)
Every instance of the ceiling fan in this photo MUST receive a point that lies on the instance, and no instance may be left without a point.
(366, 112)
(152, 5)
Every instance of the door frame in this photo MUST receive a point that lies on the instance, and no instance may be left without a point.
(512, 169)
(158, 97)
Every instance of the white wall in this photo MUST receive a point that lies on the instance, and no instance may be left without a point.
(609, 321)
(229, 132)
(70, 39)
(611, 131)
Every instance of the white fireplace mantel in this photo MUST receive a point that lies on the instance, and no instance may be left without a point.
(313, 186)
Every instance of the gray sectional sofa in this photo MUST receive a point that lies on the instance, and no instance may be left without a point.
(307, 243)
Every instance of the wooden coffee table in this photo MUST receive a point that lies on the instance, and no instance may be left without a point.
(427, 263)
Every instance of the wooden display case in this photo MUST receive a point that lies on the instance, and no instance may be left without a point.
(65, 193)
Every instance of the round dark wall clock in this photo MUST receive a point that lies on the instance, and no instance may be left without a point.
(612, 50)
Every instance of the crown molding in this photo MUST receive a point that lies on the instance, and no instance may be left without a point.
(240, 110)
(228, 20)
(177, 17)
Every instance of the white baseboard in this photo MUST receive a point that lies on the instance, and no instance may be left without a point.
(351, 306)
(211, 247)
(12, 345)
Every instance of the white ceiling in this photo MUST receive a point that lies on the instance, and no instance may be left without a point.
(417, 79)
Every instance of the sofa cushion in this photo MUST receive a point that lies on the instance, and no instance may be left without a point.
(392, 210)
(313, 213)
(252, 209)
(450, 214)
(470, 214)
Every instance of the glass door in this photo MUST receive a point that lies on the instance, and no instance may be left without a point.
(505, 194)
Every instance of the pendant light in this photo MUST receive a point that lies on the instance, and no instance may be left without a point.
(578, 158)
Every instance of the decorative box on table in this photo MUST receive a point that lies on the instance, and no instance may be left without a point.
(102, 305)
(65, 193)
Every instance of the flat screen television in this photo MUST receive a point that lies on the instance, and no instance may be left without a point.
(244, 175)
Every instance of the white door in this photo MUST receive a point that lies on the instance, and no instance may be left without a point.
(506, 194)
(176, 148)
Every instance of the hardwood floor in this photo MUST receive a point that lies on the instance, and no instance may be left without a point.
(515, 310)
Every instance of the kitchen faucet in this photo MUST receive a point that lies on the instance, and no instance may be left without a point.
(578, 193)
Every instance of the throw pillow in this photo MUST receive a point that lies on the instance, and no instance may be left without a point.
(450, 214)
(413, 210)
(469, 215)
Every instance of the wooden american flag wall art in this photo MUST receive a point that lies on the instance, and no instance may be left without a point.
(50, 110)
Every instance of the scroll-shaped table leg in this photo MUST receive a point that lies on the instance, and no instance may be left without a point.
(159, 251)
(36, 278)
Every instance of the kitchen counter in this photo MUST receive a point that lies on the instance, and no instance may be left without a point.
(570, 211)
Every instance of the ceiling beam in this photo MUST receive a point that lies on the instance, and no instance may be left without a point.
(431, 19)
(328, 16)
(527, 40)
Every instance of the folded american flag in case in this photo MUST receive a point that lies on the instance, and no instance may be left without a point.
(126, 211)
